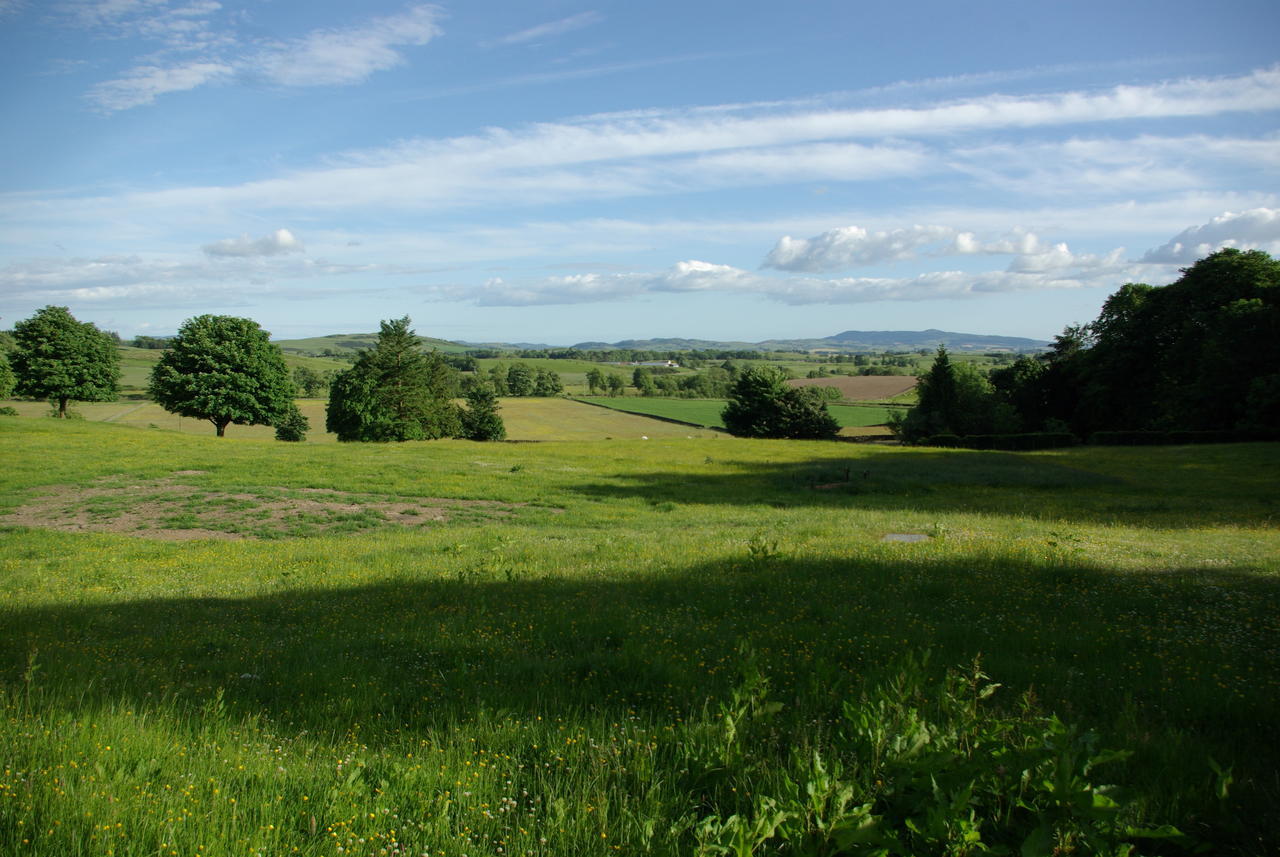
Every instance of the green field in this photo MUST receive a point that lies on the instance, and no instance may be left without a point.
(627, 646)
(136, 365)
(531, 419)
(706, 412)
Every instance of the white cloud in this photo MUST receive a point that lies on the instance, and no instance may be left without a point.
(1256, 229)
(278, 242)
(344, 56)
(1057, 272)
(197, 54)
(552, 28)
(141, 85)
(851, 247)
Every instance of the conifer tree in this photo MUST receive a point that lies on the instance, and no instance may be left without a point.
(394, 392)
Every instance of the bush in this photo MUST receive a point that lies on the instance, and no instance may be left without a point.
(917, 768)
(292, 427)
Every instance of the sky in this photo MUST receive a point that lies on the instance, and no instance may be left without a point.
(552, 171)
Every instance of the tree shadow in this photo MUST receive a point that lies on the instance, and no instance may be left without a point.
(424, 654)
(945, 481)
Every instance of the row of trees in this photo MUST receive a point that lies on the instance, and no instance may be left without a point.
(227, 371)
(1202, 353)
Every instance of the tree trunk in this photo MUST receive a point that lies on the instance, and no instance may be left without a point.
(222, 427)
(62, 408)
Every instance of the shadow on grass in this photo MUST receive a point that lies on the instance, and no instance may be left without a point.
(963, 481)
(1199, 648)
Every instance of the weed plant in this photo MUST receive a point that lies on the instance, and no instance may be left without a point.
(672, 647)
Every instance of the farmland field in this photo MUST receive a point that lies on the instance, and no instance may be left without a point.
(239, 646)
(525, 419)
(862, 386)
(706, 412)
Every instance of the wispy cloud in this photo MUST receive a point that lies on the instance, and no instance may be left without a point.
(341, 56)
(589, 159)
(142, 85)
(551, 29)
(197, 54)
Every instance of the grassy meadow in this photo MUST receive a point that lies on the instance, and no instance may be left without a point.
(686, 645)
(525, 418)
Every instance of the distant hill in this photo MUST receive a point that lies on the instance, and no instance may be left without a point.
(338, 344)
(910, 340)
(341, 344)
(850, 340)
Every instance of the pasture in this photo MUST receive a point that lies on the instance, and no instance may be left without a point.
(624, 646)
(531, 419)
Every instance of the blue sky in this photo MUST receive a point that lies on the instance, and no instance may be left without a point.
(549, 171)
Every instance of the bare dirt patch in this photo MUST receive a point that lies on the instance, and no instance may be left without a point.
(169, 510)
(861, 386)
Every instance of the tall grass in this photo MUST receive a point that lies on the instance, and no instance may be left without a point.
(570, 680)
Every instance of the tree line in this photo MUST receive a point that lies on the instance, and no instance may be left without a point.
(225, 370)
(1200, 354)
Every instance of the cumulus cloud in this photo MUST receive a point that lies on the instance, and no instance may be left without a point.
(1256, 229)
(278, 242)
(1056, 272)
(851, 247)
(855, 246)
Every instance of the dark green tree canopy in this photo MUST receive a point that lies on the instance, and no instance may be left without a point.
(394, 392)
(1202, 353)
(225, 370)
(762, 405)
(7, 379)
(61, 359)
(480, 420)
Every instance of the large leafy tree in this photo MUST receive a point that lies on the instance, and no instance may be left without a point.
(762, 405)
(1199, 353)
(61, 359)
(394, 392)
(225, 370)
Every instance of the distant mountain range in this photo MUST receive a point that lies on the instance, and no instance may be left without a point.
(850, 340)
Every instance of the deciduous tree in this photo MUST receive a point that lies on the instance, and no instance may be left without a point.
(61, 359)
(225, 370)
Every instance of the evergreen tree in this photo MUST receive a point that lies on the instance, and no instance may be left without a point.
(60, 359)
(762, 405)
(480, 420)
(394, 392)
(225, 370)
(292, 426)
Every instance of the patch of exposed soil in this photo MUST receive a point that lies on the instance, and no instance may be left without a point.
(169, 510)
